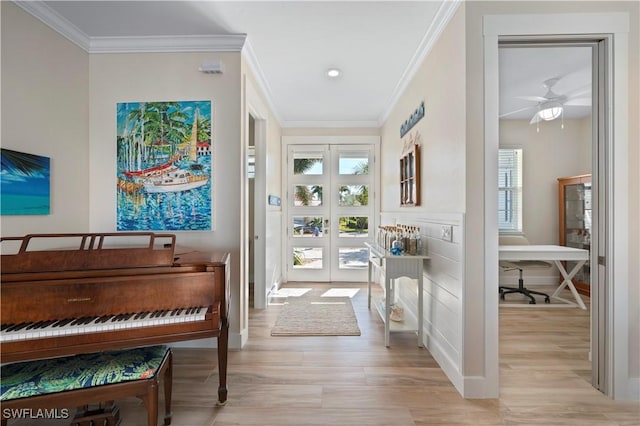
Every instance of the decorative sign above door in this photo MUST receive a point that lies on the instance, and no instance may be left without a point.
(411, 121)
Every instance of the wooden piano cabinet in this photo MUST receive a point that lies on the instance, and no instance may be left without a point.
(78, 282)
(574, 208)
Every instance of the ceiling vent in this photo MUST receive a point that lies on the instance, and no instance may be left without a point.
(211, 67)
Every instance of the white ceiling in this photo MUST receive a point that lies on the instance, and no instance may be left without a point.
(524, 69)
(378, 45)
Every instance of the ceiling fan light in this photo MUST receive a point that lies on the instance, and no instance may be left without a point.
(333, 72)
(550, 113)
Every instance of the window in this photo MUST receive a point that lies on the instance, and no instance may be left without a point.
(251, 162)
(510, 190)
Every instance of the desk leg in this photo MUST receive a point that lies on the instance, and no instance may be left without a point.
(568, 283)
(420, 303)
(387, 308)
(369, 284)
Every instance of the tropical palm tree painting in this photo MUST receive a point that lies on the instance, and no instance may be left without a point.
(164, 166)
(24, 183)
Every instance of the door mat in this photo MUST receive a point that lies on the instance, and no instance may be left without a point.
(314, 315)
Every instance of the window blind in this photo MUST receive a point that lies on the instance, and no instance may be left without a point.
(510, 190)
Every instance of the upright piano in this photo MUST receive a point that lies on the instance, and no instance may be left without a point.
(64, 294)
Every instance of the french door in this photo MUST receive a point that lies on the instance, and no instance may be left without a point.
(330, 211)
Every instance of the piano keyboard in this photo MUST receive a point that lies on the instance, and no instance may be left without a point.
(71, 326)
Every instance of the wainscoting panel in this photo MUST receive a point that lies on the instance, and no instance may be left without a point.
(273, 252)
(443, 292)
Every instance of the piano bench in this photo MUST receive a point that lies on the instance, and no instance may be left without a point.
(35, 388)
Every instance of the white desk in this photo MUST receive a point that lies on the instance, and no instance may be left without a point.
(555, 254)
(395, 267)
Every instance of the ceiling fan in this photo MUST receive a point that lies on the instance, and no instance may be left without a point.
(551, 105)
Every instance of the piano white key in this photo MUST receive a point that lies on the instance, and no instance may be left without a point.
(97, 325)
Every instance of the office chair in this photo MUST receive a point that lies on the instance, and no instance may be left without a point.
(521, 265)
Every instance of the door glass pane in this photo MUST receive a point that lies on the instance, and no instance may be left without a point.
(307, 258)
(353, 257)
(353, 164)
(307, 163)
(307, 226)
(354, 226)
(353, 195)
(307, 195)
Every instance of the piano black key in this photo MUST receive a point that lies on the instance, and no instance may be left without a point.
(21, 326)
(63, 322)
(9, 327)
(104, 318)
(46, 324)
(76, 321)
(80, 321)
(3, 327)
(34, 325)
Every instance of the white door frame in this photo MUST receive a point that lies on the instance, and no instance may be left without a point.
(618, 384)
(258, 111)
(329, 140)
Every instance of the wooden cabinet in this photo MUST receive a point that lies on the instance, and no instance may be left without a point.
(574, 200)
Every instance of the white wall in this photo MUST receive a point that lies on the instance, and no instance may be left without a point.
(45, 94)
(551, 153)
(440, 83)
(547, 155)
(270, 159)
(165, 77)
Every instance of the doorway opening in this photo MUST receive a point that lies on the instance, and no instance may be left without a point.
(251, 206)
(330, 208)
(551, 96)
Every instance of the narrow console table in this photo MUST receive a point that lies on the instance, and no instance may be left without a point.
(395, 266)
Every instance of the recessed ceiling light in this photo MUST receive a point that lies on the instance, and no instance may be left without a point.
(333, 72)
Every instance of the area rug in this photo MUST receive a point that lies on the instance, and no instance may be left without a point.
(314, 315)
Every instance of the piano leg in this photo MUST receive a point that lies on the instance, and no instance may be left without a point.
(168, 386)
(223, 344)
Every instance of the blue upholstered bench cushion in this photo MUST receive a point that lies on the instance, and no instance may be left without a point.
(24, 379)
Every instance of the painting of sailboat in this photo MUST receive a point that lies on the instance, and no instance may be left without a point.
(164, 166)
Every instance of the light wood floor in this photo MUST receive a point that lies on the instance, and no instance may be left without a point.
(544, 379)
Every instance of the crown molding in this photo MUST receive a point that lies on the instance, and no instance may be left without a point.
(444, 14)
(329, 124)
(262, 82)
(233, 43)
(194, 43)
(53, 20)
(148, 44)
